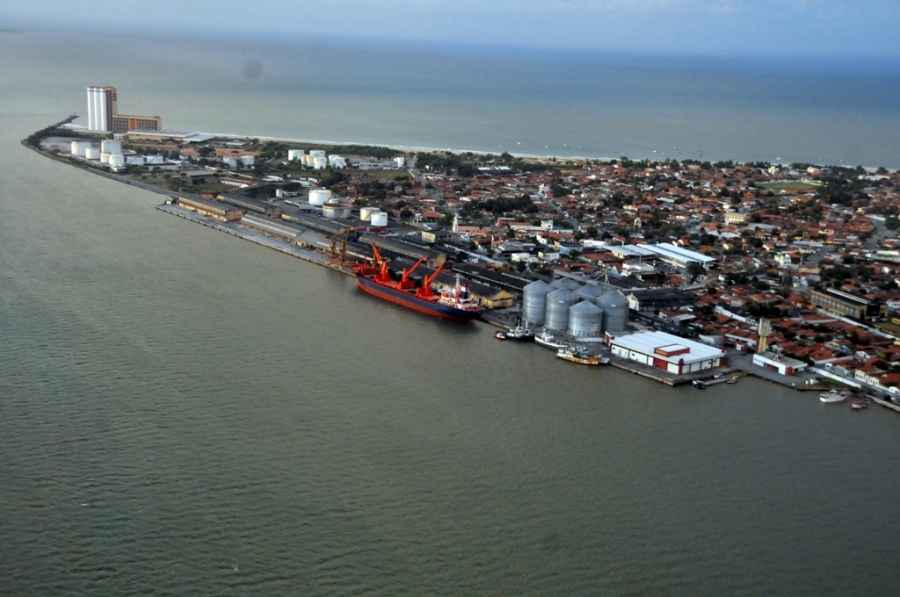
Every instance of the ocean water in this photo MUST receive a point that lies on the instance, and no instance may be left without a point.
(183, 412)
(528, 102)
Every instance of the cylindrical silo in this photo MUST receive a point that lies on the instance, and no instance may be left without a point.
(279, 193)
(92, 153)
(110, 146)
(116, 160)
(589, 292)
(534, 301)
(567, 283)
(319, 196)
(379, 219)
(615, 311)
(294, 154)
(75, 147)
(556, 316)
(104, 157)
(366, 212)
(585, 320)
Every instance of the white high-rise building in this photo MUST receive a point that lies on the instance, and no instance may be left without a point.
(101, 105)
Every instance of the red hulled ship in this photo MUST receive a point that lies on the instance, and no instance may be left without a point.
(452, 302)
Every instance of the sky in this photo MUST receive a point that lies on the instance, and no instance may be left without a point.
(842, 28)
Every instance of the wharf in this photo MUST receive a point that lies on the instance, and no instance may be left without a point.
(884, 403)
(236, 229)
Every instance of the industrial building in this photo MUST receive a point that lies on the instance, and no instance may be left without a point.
(103, 113)
(778, 363)
(844, 303)
(101, 105)
(250, 204)
(213, 209)
(667, 352)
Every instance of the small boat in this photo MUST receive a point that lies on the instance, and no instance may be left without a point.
(500, 336)
(580, 356)
(520, 333)
(859, 404)
(833, 396)
(699, 384)
(547, 339)
(732, 380)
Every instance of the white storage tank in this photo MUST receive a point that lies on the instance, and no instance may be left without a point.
(319, 196)
(317, 153)
(379, 219)
(111, 146)
(336, 209)
(534, 301)
(92, 153)
(247, 161)
(399, 162)
(116, 160)
(585, 320)
(134, 160)
(294, 155)
(78, 148)
(615, 311)
(319, 162)
(279, 193)
(366, 212)
(104, 157)
(556, 316)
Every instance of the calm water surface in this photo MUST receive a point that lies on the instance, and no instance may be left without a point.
(183, 412)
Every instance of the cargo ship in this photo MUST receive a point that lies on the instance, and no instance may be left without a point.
(452, 302)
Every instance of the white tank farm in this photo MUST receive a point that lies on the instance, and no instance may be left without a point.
(116, 160)
(111, 146)
(556, 316)
(92, 153)
(365, 213)
(379, 219)
(534, 301)
(615, 311)
(319, 162)
(589, 292)
(317, 152)
(585, 320)
(294, 155)
(319, 196)
(104, 157)
(134, 160)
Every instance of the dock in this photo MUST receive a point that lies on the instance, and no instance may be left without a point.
(237, 230)
(884, 403)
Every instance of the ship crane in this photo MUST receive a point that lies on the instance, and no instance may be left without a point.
(425, 290)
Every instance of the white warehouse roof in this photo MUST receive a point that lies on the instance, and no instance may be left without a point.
(647, 343)
(670, 251)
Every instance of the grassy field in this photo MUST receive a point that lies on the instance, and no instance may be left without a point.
(789, 186)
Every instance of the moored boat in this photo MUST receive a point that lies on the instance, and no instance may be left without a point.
(859, 404)
(520, 333)
(833, 396)
(452, 302)
(580, 356)
(547, 339)
(500, 336)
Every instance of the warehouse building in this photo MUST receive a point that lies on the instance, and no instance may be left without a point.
(210, 208)
(250, 204)
(667, 352)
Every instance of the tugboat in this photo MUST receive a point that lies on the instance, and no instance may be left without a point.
(500, 336)
(859, 404)
(580, 356)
